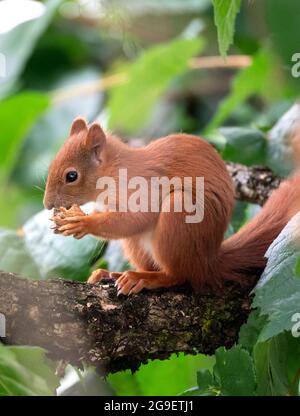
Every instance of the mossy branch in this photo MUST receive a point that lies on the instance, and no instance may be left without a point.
(78, 322)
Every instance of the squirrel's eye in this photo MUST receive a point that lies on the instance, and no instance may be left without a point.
(71, 176)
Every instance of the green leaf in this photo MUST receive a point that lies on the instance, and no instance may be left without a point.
(17, 45)
(41, 254)
(56, 255)
(282, 19)
(204, 379)
(277, 362)
(277, 293)
(233, 375)
(244, 145)
(168, 377)
(148, 77)
(206, 384)
(24, 371)
(225, 13)
(14, 256)
(250, 331)
(17, 115)
(246, 83)
(242, 213)
(234, 372)
(280, 157)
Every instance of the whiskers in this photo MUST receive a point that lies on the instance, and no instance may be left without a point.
(39, 188)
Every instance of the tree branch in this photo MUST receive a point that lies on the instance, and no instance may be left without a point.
(78, 322)
(253, 184)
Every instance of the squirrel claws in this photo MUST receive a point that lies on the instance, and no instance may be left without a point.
(129, 283)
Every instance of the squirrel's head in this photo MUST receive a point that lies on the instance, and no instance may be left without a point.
(74, 172)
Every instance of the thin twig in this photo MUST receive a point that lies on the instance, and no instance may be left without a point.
(108, 82)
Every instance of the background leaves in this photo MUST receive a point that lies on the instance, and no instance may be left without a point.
(19, 43)
(144, 83)
(17, 116)
(60, 66)
(24, 371)
(225, 15)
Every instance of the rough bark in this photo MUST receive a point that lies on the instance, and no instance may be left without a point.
(253, 184)
(79, 323)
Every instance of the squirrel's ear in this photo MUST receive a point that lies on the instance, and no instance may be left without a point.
(79, 124)
(96, 139)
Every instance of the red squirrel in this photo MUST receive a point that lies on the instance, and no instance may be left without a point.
(164, 249)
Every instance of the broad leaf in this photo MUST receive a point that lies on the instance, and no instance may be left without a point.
(56, 255)
(244, 145)
(277, 362)
(17, 115)
(246, 83)
(277, 293)
(18, 44)
(250, 331)
(233, 375)
(225, 14)
(280, 156)
(24, 371)
(206, 384)
(234, 372)
(148, 77)
(282, 18)
(176, 375)
(14, 256)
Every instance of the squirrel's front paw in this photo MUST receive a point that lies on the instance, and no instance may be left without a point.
(72, 222)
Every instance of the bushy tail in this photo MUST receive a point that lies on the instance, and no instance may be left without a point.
(243, 253)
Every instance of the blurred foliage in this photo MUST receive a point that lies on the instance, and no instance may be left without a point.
(24, 371)
(277, 294)
(56, 255)
(162, 378)
(233, 375)
(244, 145)
(225, 15)
(144, 84)
(134, 66)
(17, 115)
(247, 83)
(18, 44)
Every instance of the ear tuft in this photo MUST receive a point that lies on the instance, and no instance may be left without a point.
(79, 124)
(96, 139)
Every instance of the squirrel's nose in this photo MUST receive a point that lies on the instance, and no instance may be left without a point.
(48, 204)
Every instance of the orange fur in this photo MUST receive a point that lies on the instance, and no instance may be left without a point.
(164, 249)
